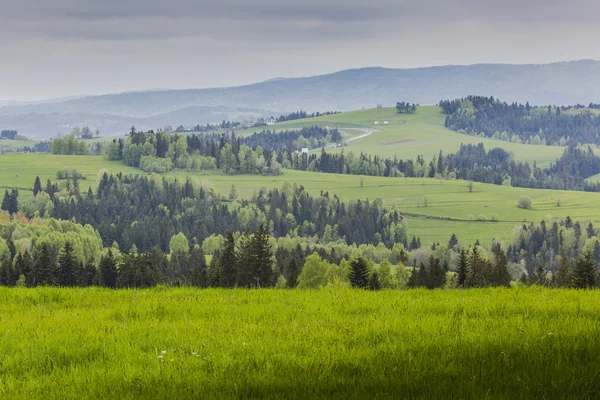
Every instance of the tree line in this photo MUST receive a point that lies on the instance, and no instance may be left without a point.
(552, 126)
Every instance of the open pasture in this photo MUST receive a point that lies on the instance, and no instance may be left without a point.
(335, 343)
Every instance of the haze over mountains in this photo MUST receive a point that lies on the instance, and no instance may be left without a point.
(557, 83)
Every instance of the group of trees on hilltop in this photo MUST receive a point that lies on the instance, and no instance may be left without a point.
(405, 107)
(9, 134)
(303, 114)
(521, 123)
(69, 146)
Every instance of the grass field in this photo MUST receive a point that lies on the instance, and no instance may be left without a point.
(450, 206)
(422, 133)
(335, 343)
(20, 170)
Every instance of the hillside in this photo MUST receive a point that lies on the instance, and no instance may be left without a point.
(450, 209)
(409, 135)
(558, 83)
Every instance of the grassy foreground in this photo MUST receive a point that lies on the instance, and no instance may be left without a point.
(335, 343)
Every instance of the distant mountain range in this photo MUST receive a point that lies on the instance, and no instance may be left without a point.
(557, 83)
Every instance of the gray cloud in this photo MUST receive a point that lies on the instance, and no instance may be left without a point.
(66, 47)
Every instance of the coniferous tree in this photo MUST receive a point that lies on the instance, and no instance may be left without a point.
(501, 276)
(255, 260)
(228, 263)
(37, 186)
(585, 273)
(479, 270)
(214, 272)
(292, 271)
(24, 266)
(453, 241)
(89, 273)
(436, 274)
(359, 273)
(197, 267)
(463, 267)
(67, 267)
(564, 275)
(108, 270)
(374, 281)
(44, 268)
(7, 273)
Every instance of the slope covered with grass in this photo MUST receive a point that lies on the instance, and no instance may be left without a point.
(335, 343)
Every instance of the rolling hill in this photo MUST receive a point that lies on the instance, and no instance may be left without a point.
(557, 83)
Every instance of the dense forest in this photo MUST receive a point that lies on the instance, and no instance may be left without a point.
(260, 153)
(552, 126)
(114, 252)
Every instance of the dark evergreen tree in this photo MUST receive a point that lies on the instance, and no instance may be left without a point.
(374, 281)
(197, 267)
(359, 273)
(564, 274)
(67, 267)
(453, 241)
(255, 260)
(292, 272)
(108, 270)
(585, 274)
(89, 274)
(501, 276)
(479, 270)
(463, 267)
(44, 268)
(228, 263)
(37, 186)
(7, 273)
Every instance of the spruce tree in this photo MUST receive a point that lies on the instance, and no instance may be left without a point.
(585, 271)
(197, 267)
(6, 272)
(67, 267)
(564, 275)
(255, 260)
(228, 263)
(44, 268)
(453, 241)
(292, 271)
(479, 270)
(90, 272)
(501, 276)
(108, 270)
(436, 274)
(6, 201)
(463, 267)
(359, 273)
(374, 281)
(37, 186)
(24, 266)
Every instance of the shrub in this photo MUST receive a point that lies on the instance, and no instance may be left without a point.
(525, 203)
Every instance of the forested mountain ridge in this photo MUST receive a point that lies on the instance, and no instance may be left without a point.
(558, 83)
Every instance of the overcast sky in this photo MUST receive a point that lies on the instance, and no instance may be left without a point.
(55, 48)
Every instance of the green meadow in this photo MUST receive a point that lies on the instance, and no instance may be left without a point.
(335, 343)
(435, 208)
(409, 135)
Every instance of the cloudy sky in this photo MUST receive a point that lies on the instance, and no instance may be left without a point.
(55, 48)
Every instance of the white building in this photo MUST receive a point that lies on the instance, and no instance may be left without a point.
(304, 150)
(385, 122)
(376, 123)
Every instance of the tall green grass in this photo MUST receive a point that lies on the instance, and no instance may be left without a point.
(335, 343)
